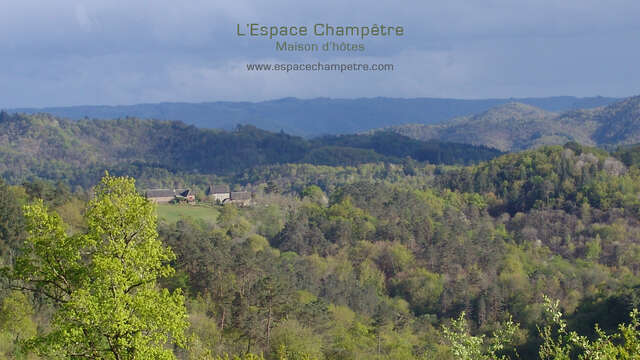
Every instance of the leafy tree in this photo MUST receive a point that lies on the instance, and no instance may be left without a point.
(292, 341)
(421, 288)
(315, 194)
(559, 343)
(230, 220)
(102, 282)
(465, 346)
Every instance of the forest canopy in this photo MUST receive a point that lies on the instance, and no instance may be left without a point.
(369, 246)
(381, 261)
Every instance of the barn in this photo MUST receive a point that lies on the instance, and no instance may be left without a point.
(160, 196)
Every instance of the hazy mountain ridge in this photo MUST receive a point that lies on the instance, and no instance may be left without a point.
(517, 126)
(309, 117)
(619, 122)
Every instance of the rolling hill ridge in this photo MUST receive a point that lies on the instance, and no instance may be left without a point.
(313, 117)
(517, 126)
(48, 147)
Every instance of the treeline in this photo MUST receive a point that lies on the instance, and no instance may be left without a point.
(395, 145)
(78, 152)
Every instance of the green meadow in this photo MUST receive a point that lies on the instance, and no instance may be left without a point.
(172, 213)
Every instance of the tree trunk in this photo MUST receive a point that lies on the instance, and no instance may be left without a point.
(269, 327)
(224, 311)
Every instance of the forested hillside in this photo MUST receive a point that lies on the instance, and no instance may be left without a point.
(376, 261)
(516, 126)
(78, 152)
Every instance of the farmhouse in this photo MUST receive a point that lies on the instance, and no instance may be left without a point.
(223, 195)
(218, 192)
(163, 196)
(241, 198)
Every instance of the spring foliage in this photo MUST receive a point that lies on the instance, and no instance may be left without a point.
(102, 281)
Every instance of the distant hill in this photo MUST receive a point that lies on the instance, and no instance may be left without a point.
(78, 152)
(517, 126)
(315, 116)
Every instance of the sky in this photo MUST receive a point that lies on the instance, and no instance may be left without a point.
(111, 52)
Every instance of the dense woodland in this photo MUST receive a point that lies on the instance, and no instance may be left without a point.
(77, 152)
(377, 260)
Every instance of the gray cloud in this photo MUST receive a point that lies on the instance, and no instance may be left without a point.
(123, 52)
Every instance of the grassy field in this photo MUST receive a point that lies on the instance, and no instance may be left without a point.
(173, 213)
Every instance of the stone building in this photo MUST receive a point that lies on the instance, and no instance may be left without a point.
(163, 196)
(240, 198)
(218, 193)
(160, 196)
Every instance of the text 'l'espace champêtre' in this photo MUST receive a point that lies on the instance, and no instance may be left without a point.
(362, 32)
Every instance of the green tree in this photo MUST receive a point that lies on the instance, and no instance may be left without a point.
(232, 222)
(421, 288)
(465, 346)
(315, 194)
(292, 341)
(558, 343)
(11, 221)
(102, 282)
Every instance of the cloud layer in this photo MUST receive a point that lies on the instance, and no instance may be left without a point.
(124, 52)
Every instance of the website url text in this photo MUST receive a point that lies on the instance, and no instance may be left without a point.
(320, 67)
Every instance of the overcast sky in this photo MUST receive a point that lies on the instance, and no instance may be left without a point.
(57, 53)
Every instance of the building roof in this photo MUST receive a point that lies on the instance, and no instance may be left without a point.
(184, 192)
(158, 193)
(218, 189)
(240, 195)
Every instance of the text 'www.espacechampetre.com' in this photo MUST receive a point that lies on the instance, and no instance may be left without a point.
(320, 67)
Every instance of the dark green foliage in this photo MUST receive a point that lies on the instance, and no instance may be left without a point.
(391, 144)
(629, 155)
(78, 152)
(11, 222)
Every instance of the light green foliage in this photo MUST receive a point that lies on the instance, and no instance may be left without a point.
(350, 338)
(16, 324)
(257, 242)
(292, 341)
(269, 219)
(395, 258)
(420, 287)
(16, 315)
(230, 220)
(102, 282)
(594, 248)
(71, 213)
(376, 272)
(204, 333)
(315, 194)
(561, 344)
(465, 346)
